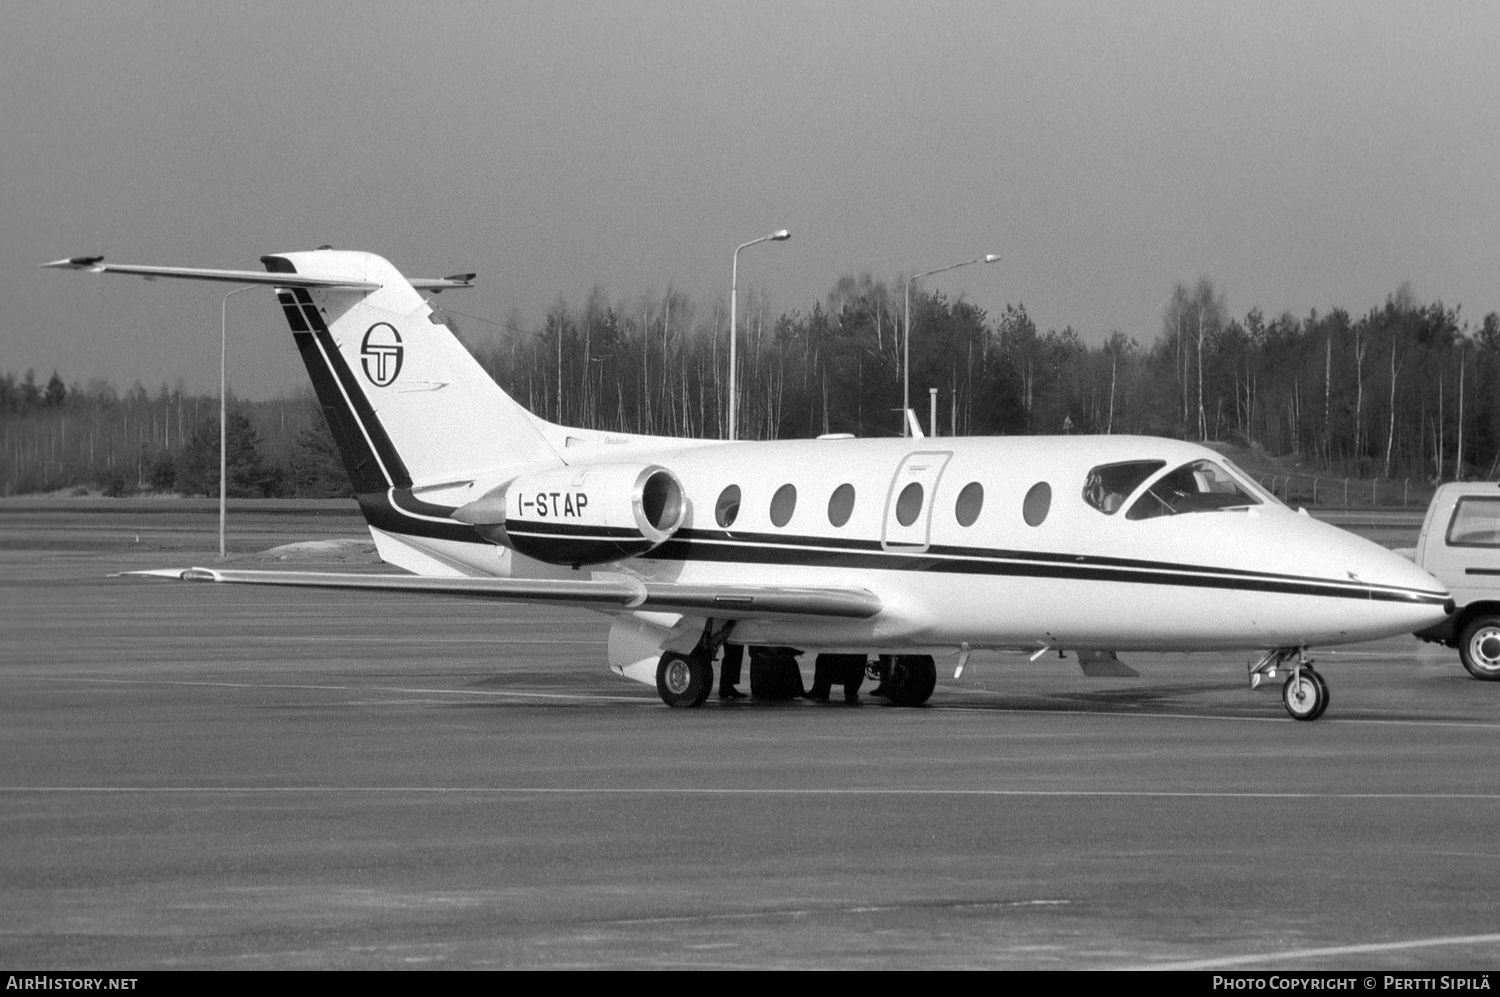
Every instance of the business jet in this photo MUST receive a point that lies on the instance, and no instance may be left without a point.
(896, 552)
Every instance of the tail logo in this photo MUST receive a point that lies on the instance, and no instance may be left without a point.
(381, 354)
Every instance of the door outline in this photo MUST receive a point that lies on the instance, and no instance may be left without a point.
(926, 468)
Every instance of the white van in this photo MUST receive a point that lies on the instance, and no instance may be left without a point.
(1460, 546)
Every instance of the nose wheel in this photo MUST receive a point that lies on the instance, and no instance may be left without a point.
(1305, 694)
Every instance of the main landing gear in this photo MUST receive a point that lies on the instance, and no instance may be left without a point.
(905, 679)
(1305, 692)
(686, 679)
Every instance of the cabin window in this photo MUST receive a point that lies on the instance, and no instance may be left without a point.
(841, 505)
(1037, 504)
(783, 504)
(727, 509)
(1109, 485)
(1476, 523)
(909, 504)
(1201, 486)
(970, 501)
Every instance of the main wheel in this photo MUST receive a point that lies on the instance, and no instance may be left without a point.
(1305, 698)
(683, 679)
(910, 679)
(1479, 648)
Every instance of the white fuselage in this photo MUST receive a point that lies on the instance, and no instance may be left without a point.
(1256, 576)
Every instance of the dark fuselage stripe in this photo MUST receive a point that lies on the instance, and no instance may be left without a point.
(867, 555)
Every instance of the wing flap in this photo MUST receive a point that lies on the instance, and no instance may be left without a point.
(616, 591)
(744, 600)
(585, 592)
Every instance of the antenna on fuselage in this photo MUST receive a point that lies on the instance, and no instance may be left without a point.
(913, 427)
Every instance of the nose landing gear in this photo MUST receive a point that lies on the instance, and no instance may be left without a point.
(1305, 693)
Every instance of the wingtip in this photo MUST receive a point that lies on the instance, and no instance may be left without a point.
(175, 574)
(73, 263)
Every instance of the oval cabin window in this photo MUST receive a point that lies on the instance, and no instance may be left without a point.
(728, 506)
(909, 504)
(783, 504)
(1037, 503)
(970, 502)
(841, 505)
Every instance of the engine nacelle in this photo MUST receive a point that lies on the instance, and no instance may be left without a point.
(582, 515)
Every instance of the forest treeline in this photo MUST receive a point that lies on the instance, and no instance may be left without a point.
(1396, 391)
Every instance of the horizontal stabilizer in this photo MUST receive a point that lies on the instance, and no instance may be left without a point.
(1104, 665)
(617, 591)
(96, 264)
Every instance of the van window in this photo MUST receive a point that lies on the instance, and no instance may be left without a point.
(841, 505)
(1109, 485)
(1201, 486)
(1475, 523)
(783, 504)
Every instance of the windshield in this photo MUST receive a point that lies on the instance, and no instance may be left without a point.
(1109, 485)
(1201, 486)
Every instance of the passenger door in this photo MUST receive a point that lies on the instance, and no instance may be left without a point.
(908, 504)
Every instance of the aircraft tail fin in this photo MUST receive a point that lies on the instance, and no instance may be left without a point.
(409, 407)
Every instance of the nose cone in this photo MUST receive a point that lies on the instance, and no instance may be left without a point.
(1416, 600)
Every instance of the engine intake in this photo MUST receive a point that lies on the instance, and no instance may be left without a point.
(582, 515)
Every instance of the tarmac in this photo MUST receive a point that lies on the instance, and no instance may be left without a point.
(218, 777)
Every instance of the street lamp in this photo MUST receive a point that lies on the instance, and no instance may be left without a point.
(223, 410)
(906, 345)
(780, 235)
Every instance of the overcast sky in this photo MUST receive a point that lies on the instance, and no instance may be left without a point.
(1302, 155)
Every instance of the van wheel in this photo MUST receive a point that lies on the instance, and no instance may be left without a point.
(1479, 648)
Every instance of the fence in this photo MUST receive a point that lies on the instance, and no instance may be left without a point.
(1298, 489)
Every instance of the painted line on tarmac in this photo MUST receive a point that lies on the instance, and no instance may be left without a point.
(513, 693)
(1365, 949)
(755, 915)
(1144, 715)
(645, 700)
(1145, 794)
(339, 639)
(599, 697)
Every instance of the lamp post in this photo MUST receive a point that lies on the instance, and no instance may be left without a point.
(224, 410)
(780, 235)
(906, 345)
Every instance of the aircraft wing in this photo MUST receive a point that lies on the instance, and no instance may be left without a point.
(96, 264)
(616, 592)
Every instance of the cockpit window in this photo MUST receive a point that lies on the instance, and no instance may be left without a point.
(1109, 485)
(1201, 486)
